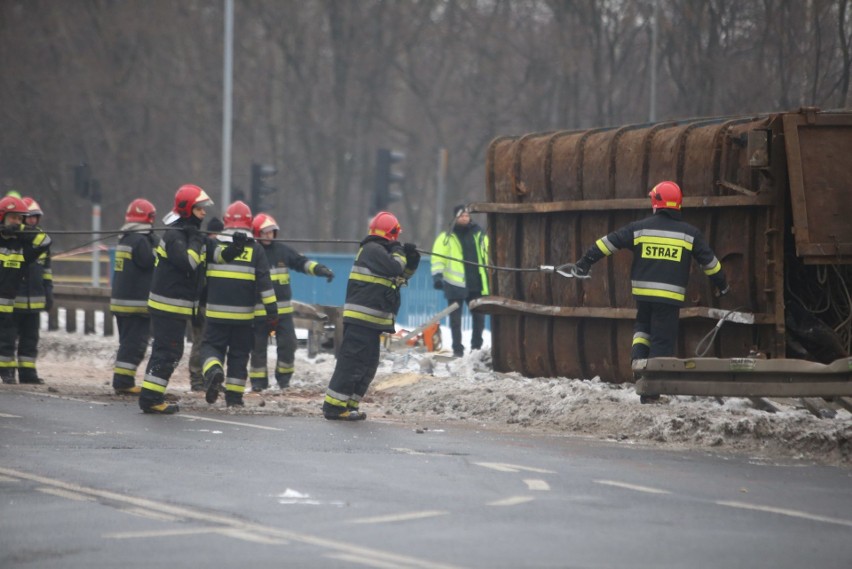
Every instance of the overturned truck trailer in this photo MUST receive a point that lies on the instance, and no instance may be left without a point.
(771, 193)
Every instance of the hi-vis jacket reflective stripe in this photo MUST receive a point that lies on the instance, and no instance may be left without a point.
(233, 287)
(36, 285)
(15, 256)
(372, 294)
(176, 282)
(663, 247)
(134, 267)
(447, 244)
(281, 259)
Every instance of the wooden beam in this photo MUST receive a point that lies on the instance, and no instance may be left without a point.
(758, 200)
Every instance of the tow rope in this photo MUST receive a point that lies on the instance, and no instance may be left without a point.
(564, 270)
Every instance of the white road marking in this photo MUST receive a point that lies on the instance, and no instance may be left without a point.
(66, 494)
(8, 479)
(8, 416)
(786, 512)
(252, 537)
(149, 514)
(536, 484)
(627, 486)
(235, 423)
(503, 467)
(160, 533)
(361, 561)
(417, 452)
(400, 517)
(65, 397)
(511, 501)
(367, 554)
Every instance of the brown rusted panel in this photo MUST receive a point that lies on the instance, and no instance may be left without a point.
(566, 348)
(538, 346)
(502, 231)
(598, 355)
(534, 245)
(630, 163)
(820, 171)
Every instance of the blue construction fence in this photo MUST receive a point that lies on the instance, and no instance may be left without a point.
(420, 301)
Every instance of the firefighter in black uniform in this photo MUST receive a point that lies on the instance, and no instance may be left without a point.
(196, 378)
(35, 294)
(281, 259)
(19, 247)
(173, 299)
(663, 246)
(131, 284)
(372, 301)
(237, 274)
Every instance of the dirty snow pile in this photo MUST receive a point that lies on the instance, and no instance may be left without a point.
(425, 390)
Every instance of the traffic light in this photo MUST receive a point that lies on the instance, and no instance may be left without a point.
(385, 176)
(84, 185)
(260, 187)
(82, 180)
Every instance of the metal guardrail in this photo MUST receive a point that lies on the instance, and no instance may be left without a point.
(323, 323)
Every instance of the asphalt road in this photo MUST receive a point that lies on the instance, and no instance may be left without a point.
(90, 485)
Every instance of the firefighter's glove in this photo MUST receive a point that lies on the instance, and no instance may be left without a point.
(412, 256)
(28, 235)
(720, 292)
(235, 249)
(323, 271)
(271, 323)
(438, 281)
(581, 268)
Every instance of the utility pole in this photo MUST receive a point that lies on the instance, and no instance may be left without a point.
(441, 190)
(652, 111)
(227, 103)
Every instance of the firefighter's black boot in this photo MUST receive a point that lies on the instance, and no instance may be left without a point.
(213, 380)
(283, 379)
(234, 399)
(154, 403)
(334, 413)
(29, 375)
(8, 375)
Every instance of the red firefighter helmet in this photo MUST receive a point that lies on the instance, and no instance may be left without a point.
(32, 206)
(140, 211)
(263, 222)
(238, 216)
(666, 195)
(385, 224)
(11, 204)
(189, 196)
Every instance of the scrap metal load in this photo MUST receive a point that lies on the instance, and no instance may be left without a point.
(771, 193)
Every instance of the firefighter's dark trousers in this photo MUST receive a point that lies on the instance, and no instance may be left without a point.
(196, 378)
(655, 330)
(357, 362)
(456, 321)
(8, 333)
(27, 325)
(231, 343)
(133, 335)
(168, 333)
(285, 338)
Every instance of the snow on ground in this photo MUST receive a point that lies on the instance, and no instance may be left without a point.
(426, 390)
